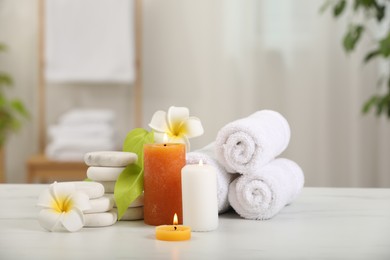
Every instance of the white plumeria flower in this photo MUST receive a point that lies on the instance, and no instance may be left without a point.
(63, 207)
(177, 125)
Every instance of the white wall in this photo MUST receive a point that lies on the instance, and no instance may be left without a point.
(204, 55)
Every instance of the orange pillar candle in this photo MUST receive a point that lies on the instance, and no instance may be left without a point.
(162, 182)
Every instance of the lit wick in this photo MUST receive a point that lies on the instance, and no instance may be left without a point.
(165, 139)
(175, 221)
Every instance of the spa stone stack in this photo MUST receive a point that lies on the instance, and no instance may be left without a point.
(105, 168)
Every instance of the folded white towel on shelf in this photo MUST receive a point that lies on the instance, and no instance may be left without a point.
(89, 41)
(207, 155)
(75, 149)
(87, 116)
(262, 194)
(96, 130)
(249, 143)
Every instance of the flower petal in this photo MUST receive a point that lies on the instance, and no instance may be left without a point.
(159, 121)
(45, 199)
(159, 137)
(81, 201)
(180, 139)
(176, 116)
(73, 220)
(63, 189)
(187, 142)
(49, 219)
(193, 127)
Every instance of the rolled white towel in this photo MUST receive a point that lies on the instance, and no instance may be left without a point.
(264, 193)
(207, 155)
(250, 143)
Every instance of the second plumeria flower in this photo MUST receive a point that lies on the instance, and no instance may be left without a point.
(177, 125)
(63, 207)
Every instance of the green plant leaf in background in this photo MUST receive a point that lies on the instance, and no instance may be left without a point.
(130, 183)
(384, 46)
(352, 37)
(12, 111)
(339, 7)
(371, 11)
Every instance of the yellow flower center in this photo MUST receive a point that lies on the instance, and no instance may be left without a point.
(178, 129)
(62, 204)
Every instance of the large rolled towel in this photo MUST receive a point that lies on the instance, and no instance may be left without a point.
(264, 193)
(207, 155)
(250, 143)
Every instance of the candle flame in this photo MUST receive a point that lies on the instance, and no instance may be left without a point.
(200, 162)
(165, 138)
(175, 221)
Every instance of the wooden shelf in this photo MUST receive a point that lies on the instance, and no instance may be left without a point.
(42, 169)
(39, 167)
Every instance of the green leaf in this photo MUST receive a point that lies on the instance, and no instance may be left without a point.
(135, 141)
(364, 3)
(5, 79)
(128, 187)
(339, 7)
(130, 183)
(18, 106)
(380, 12)
(352, 37)
(384, 46)
(325, 6)
(371, 55)
(368, 104)
(3, 47)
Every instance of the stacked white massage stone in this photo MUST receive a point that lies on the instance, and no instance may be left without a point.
(105, 168)
(100, 214)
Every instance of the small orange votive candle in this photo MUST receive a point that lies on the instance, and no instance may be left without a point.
(173, 232)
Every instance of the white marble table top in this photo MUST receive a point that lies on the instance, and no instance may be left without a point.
(322, 223)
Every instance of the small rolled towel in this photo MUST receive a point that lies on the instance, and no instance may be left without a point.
(264, 193)
(207, 155)
(249, 143)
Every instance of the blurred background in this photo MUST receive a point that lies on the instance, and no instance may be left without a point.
(224, 60)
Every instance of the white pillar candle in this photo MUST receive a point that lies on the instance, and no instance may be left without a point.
(199, 196)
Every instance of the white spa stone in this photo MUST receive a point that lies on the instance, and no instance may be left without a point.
(100, 219)
(109, 186)
(138, 202)
(104, 173)
(132, 213)
(92, 189)
(99, 205)
(110, 158)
